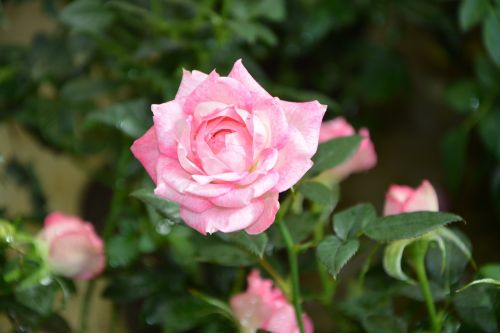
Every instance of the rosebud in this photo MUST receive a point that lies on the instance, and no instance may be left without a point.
(73, 248)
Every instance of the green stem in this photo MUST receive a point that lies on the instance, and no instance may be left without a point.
(366, 266)
(420, 251)
(294, 272)
(84, 314)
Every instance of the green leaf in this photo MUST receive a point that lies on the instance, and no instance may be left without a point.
(471, 12)
(38, 298)
(392, 260)
(491, 35)
(454, 156)
(349, 222)
(318, 193)
(334, 152)
(490, 271)
(489, 130)
(86, 16)
(300, 226)
(255, 244)
(489, 281)
(463, 96)
(222, 307)
(167, 208)
(224, 254)
(477, 306)
(450, 236)
(408, 225)
(334, 253)
(121, 250)
(130, 117)
(384, 324)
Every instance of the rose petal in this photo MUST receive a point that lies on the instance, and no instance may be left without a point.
(423, 199)
(336, 128)
(223, 219)
(240, 197)
(218, 89)
(167, 118)
(284, 321)
(240, 73)
(189, 82)
(171, 173)
(395, 198)
(271, 206)
(306, 118)
(271, 114)
(293, 162)
(145, 149)
(192, 202)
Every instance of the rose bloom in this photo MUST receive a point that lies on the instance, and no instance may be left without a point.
(264, 307)
(401, 199)
(363, 159)
(224, 148)
(73, 248)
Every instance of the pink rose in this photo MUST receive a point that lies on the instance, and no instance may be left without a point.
(265, 307)
(363, 159)
(401, 199)
(224, 148)
(74, 249)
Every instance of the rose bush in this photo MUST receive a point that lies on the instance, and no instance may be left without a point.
(73, 248)
(401, 199)
(224, 148)
(365, 157)
(263, 307)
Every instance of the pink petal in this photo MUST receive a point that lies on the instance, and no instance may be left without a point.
(284, 321)
(271, 114)
(293, 162)
(240, 73)
(223, 219)
(218, 89)
(168, 118)
(306, 118)
(189, 82)
(224, 177)
(250, 311)
(189, 201)
(423, 199)
(335, 128)
(240, 197)
(271, 206)
(171, 173)
(145, 149)
(395, 198)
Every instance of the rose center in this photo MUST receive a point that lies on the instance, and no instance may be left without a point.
(217, 141)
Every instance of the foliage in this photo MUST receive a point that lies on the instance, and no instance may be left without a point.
(84, 90)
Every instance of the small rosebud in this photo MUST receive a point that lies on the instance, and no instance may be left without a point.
(73, 248)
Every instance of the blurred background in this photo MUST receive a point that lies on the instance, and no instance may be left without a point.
(77, 79)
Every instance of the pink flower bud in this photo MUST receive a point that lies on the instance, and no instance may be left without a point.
(363, 159)
(73, 248)
(401, 199)
(265, 307)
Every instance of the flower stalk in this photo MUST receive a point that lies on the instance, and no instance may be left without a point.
(294, 272)
(418, 260)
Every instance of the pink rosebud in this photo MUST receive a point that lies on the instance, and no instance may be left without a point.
(363, 159)
(224, 148)
(74, 249)
(265, 307)
(401, 199)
